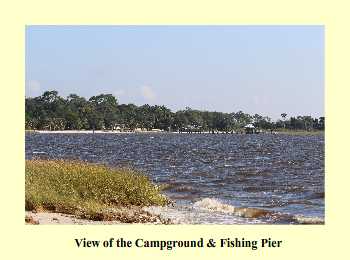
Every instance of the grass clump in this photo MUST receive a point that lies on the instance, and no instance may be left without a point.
(300, 132)
(88, 190)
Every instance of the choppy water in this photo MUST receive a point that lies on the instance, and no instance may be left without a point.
(212, 178)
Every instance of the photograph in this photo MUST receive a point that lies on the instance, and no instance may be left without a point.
(174, 124)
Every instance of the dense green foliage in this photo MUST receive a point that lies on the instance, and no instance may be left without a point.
(52, 112)
(86, 189)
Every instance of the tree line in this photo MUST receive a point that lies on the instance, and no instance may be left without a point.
(52, 112)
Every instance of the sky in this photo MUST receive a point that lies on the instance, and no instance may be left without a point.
(267, 70)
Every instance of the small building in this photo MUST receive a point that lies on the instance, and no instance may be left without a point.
(156, 130)
(249, 129)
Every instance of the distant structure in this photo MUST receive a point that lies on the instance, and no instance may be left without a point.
(192, 129)
(249, 129)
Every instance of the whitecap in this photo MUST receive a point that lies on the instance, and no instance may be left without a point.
(308, 220)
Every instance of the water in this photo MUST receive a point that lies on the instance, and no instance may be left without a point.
(212, 178)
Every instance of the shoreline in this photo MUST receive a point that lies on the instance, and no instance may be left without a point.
(93, 132)
(201, 213)
(134, 215)
(164, 132)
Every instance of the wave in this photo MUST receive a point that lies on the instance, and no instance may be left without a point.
(308, 220)
(215, 205)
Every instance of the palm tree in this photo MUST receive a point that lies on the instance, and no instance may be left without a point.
(283, 115)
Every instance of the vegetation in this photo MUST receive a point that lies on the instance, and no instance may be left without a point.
(300, 132)
(52, 112)
(88, 190)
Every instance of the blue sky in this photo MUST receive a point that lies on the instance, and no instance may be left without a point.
(258, 69)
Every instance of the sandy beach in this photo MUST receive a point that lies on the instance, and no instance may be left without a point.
(91, 132)
(44, 218)
(156, 131)
(133, 215)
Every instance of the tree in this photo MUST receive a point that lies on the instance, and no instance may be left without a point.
(52, 112)
(321, 123)
(93, 117)
(308, 122)
(74, 115)
(283, 115)
(180, 120)
(242, 119)
(106, 106)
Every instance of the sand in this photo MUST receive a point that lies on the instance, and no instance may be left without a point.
(90, 132)
(60, 218)
(124, 216)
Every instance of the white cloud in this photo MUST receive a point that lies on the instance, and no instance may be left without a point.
(148, 93)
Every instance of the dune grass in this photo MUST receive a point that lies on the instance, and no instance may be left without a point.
(88, 190)
(300, 132)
